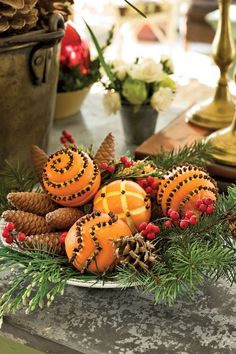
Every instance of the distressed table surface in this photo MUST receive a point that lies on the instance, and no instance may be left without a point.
(126, 322)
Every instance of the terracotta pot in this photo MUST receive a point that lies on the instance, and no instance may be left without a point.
(138, 125)
(29, 72)
(69, 103)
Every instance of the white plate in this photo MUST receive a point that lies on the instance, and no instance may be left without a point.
(95, 284)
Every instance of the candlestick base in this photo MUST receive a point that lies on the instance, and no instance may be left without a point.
(224, 146)
(211, 114)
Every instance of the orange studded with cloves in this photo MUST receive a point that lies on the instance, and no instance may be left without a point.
(89, 245)
(70, 177)
(183, 186)
(127, 200)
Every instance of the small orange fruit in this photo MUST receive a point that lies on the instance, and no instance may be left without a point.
(89, 243)
(127, 200)
(70, 177)
(183, 186)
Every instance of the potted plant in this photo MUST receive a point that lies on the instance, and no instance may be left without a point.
(30, 31)
(77, 72)
(140, 91)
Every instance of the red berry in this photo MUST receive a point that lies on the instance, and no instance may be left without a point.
(151, 236)
(150, 180)
(63, 140)
(66, 134)
(149, 227)
(104, 166)
(5, 232)
(184, 224)
(10, 227)
(210, 209)
(174, 215)
(128, 163)
(155, 185)
(202, 208)
(9, 240)
(71, 140)
(111, 169)
(188, 214)
(142, 226)
(207, 201)
(156, 229)
(198, 203)
(193, 220)
(168, 224)
(148, 190)
(123, 159)
(169, 212)
(21, 237)
(63, 237)
(144, 233)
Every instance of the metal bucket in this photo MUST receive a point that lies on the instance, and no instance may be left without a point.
(28, 84)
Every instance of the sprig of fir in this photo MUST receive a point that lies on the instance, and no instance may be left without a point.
(198, 153)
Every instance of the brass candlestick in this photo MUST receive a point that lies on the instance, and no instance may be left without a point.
(218, 112)
(224, 144)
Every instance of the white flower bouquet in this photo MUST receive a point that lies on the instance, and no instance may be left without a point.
(144, 82)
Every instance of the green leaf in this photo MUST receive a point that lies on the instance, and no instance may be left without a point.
(101, 56)
(135, 8)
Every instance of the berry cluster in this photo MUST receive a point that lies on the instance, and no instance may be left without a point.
(205, 205)
(67, 138)
(126, 161)
(188, 219)
(105, 167)
(63, 237)
(9, 234)
(149, 185)
(149, 230)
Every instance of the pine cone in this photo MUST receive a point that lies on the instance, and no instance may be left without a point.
(135, 252)
(28, 223)
(106, 151)
(32, 202)
(39, 158)
(48, 242)
(17, 16)
(47, 7)
(63, 218)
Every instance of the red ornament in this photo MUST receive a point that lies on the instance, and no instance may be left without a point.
(74, 50)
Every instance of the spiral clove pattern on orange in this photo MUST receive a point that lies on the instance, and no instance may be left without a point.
(71, 178)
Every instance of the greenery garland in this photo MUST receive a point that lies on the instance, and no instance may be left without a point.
(188, 257)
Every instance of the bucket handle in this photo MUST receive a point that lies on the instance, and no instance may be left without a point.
(42, 53)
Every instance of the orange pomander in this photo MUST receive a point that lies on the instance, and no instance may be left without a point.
(183, 186)
(70, 177)
(125, 199)
(89, 243)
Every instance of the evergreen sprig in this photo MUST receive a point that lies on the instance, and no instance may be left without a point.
(15, 177)
(36, 278)
(198, 153)
(190, 257)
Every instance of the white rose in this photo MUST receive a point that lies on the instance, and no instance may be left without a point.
(148, 70)
(112, 102)
(161, 99)
(120, 68)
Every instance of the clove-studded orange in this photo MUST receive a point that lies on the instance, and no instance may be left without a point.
(89, 243)
(70, 177)
(127, 200)
(183, 186)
